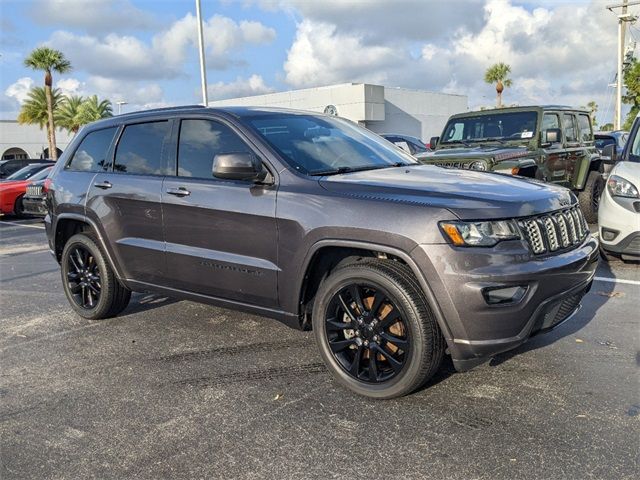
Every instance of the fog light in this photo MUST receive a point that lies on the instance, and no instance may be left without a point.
(609, 235)
(500, 295)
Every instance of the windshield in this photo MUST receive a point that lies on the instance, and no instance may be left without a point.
(497, 126)
(26, 172)
(316, 145)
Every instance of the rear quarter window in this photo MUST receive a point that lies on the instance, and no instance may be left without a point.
(91, 154)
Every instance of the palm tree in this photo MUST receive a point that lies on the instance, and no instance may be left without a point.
(35, 110)
(68, 113)
(498, 74)
(92, 109)
(49, 60)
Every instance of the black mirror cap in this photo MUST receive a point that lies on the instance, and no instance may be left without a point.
(552, 135)
(434, 142)
(610, 153)
(238, 166)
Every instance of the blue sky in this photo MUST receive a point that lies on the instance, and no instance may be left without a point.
(144, 51)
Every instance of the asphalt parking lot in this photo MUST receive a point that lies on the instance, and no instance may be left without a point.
(182, 390)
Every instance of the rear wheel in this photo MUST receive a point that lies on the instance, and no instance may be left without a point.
(89, 283)
(375, 330)
(589, 198)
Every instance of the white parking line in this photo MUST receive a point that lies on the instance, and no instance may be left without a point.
(21, 225)
(616, 280)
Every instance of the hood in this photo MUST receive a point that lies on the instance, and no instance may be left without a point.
(497, 152)
(467, 194)
(13, 184)
(629, 171)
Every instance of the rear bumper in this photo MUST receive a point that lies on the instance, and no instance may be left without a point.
(476, 330)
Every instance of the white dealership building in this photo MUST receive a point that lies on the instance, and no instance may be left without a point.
(381, 109)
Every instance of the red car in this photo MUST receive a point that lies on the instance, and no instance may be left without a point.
(13, 188)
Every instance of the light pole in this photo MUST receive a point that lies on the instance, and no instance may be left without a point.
(120, 103)
(203, 69)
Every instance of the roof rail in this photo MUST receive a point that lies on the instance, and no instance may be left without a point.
(165, 109)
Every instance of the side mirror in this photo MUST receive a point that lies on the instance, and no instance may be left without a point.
(610, 153)
(552, 135)
(433, 142)
(239, 166)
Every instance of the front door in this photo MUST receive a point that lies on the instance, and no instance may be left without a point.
(126, 199)
(555, 167)
(221, 237)
(573, 148)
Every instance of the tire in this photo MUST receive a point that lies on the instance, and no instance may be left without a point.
(18, 207)
(113, 297)
(589, 198)
(395, 282)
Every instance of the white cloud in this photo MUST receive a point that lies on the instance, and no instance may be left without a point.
(137, 94)
(95, 16)
(128, 57)
(19, 90)
(241, 87)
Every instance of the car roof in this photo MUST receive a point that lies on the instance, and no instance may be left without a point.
(237, 112)
(525, 108)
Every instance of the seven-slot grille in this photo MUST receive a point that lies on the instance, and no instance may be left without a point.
(555, 231)
(34, 190)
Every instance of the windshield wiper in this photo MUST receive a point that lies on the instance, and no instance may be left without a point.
(339, 170)
(490, 139)
(464, 142)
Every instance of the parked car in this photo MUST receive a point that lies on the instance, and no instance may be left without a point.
(321, 224)
(34, 199)
(8, 167)
(12, 189)
(409, 144)
(550, 143)
(617, 138)
(619, 215)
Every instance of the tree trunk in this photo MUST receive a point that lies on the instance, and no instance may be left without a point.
(499, 90)
(53, 151)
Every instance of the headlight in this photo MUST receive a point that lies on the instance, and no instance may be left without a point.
(480, 234)
(480, 165)
(621, 187)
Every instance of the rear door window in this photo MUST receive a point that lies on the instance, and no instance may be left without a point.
(91, 154)
(200, 141)
(139, 150)
(584, 125)
(570, 130)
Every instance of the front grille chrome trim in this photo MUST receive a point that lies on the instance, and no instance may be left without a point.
(554, 232)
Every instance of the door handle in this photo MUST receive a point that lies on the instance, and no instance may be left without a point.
(179, 192)
(103, 185)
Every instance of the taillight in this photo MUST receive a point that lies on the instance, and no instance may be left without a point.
(46, 185)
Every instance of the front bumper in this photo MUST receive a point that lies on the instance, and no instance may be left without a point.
(476, 331)
(34, 206)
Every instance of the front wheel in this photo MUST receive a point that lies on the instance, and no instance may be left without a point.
(375, 330)
(89, 282)
(589, 198)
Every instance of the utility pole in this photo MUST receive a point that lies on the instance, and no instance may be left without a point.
(623, 18)
(203, 69)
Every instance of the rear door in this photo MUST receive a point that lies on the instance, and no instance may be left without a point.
(126, 200)
(586, 151)
(221, 234)
(555, 166)
(573, 149)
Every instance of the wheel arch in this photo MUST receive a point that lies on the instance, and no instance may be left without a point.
(310, 271)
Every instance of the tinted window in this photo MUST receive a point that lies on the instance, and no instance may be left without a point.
(584, 124)
(91, 154)
(140, 148)
(504, 126)
(569, 128)
(318, 145)
(200, 141)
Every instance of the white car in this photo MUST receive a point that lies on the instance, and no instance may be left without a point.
(619, 209)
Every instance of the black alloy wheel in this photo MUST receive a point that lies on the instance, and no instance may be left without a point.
(367, 333)
(83, 276)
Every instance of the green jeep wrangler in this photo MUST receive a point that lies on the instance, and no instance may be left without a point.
(550, 143)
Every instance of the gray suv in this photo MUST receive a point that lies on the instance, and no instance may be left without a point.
(319, 223)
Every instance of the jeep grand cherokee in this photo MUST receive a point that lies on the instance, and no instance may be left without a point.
(317, 222)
